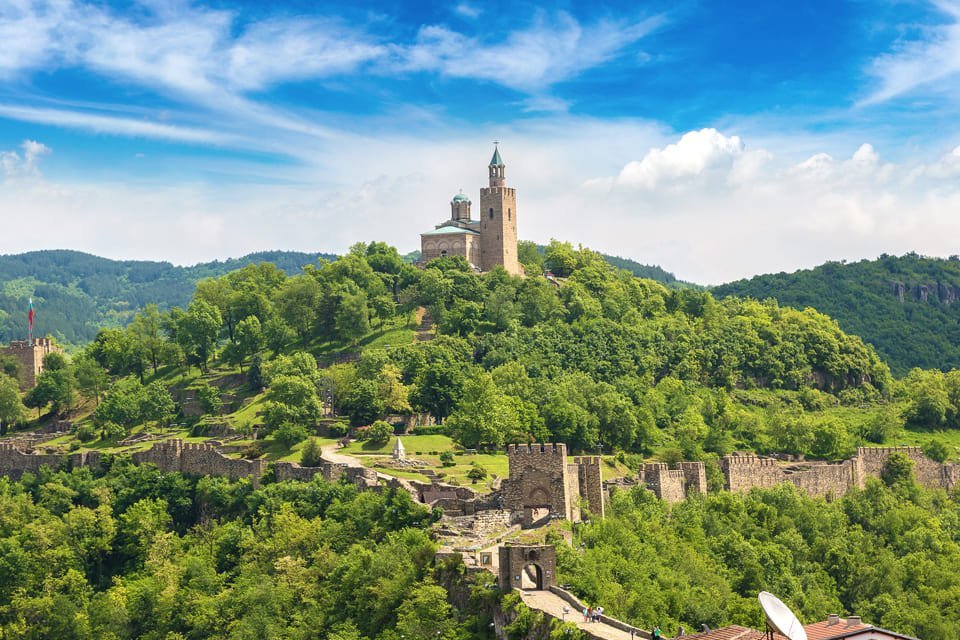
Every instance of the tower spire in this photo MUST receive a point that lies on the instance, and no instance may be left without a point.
(497, 173)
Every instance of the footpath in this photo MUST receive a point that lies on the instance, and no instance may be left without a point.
(553, 605)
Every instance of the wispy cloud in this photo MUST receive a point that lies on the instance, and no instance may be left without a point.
(552, 49)
(922, 63)
(468, 10)
(113, 124)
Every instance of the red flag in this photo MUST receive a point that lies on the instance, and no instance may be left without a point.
(30, 313)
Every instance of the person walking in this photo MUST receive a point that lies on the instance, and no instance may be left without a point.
(586, 614)
(656, 633)
(589, 614)
(599, 613)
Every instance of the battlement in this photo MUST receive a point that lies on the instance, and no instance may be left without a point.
(587, 460)
(747, 459)
(550, 449)
(882, 452)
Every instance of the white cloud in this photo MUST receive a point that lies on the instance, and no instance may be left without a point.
(15, 165)
(468, 10)
(923, 63)
(552, 49)
(696, 153)
(112, 124)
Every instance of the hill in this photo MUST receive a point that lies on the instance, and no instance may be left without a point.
(76, 293)
(906, 307)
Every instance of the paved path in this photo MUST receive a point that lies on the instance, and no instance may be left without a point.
(553, 605)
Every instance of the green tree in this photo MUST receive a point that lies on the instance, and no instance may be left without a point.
(196, 331)
(91, 379)
(12, 410)
(936, 449)
(311, 454)
(156, 404)
(484, 418)
(55, 389)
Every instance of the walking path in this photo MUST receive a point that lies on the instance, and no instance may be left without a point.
(553, 605)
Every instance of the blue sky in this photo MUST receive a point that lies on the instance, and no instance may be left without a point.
(718, 139)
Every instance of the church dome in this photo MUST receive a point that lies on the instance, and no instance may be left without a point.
(461, 197)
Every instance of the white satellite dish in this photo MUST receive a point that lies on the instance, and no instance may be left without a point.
(780, 618)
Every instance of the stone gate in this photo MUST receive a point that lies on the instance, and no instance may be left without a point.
(528, 566)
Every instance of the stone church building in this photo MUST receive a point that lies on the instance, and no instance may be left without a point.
(487, 242)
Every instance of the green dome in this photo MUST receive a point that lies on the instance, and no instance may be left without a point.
(460, 197)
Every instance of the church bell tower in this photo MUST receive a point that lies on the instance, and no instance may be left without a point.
(498, 220)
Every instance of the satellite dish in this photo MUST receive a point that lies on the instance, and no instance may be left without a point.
(780, 618)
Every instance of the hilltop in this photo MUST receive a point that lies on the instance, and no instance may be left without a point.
(906, 307)
(77, 293)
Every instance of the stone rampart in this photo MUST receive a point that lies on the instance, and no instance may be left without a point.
(330, 471)
(694, 476)
(746, 471)
(14, 462)
(199, 459)
(666, 483)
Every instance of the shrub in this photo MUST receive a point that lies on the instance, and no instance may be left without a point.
(338, 429)
(86, 433)
(290, 434)
(311, 454)
(446, 459)
(209, 398)
(936, 450)
(477, 472)
(379, 433)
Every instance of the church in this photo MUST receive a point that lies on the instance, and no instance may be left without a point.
(487, 242)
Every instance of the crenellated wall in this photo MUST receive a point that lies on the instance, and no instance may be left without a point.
(746, 471)
(14, 462)
(199, 459)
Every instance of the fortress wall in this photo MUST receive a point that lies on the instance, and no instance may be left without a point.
(590, 481)
(694, 476)
(825, 480)
(929, 473)
(330, 471)
(746, 471)
(665, 483)
(14, 462)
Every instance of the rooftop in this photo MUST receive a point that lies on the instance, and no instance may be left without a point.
(496, 161)
(450, 230)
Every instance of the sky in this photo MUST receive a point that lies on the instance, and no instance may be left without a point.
(718, 139)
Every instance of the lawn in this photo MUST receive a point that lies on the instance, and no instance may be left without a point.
(950, 437)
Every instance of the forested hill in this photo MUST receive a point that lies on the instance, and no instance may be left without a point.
(907, 307)
(76, 293)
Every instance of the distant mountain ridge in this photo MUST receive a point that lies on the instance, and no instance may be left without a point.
(907, 307)
(76, 293)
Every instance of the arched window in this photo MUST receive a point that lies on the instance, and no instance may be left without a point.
(491, 213)
(443, 254)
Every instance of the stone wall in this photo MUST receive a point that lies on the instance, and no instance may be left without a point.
(199, 459)
(330, 471)
(14, 462)
(666, 483)
(694, 477)
(515, 558)
(744, 472)
(590, 479)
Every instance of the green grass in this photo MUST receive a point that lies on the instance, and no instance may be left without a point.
(950, 437)
(412, 444)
